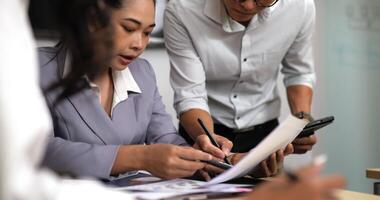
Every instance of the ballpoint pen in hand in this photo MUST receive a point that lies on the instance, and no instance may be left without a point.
(213, 141)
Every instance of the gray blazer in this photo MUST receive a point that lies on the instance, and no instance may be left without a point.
(86, 139)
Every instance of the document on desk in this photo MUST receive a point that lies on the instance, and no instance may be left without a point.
(180, 187)
(284, 134)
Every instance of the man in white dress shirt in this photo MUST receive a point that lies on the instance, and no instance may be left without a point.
(225, 59)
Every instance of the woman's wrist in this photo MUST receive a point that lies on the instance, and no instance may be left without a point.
(129, 158)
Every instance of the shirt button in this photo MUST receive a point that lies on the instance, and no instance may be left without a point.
(235, 96)
(245, 59)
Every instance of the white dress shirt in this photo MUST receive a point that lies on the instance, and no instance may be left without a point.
(25, 122)
(222, 67)
(123, 82)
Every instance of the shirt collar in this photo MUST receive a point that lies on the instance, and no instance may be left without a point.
(215, 10)
(123, 81)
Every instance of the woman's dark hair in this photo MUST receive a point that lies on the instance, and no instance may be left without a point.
(77, 20)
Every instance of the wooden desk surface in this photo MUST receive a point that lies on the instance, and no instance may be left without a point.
(373, 173)
(348, 195)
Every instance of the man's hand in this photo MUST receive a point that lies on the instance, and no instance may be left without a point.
(305, 144)
(271, 166)
(189, 121)
(203, 143)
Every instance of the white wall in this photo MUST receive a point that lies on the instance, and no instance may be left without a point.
(350, 80)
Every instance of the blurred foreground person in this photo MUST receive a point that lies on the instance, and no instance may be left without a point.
(24, 119)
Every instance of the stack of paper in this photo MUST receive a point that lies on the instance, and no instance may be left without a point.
(180, 187)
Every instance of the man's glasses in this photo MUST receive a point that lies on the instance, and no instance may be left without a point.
(262, 3)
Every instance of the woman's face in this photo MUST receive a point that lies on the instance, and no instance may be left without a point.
(132, 26)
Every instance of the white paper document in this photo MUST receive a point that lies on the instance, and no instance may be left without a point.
(178, 187)
(283, 135)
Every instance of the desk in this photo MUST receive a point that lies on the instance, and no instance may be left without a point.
(348, 195)
(342, 194)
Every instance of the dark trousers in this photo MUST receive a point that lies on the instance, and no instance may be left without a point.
(243, 141)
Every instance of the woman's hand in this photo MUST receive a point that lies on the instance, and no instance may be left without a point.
(169, 161)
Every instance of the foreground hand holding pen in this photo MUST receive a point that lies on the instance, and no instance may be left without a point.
(303, 184)
(212, 139)
(268, 167)
(216, 145)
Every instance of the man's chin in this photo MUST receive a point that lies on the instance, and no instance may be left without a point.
(242, 18)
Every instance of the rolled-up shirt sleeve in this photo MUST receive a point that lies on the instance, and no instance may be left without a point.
(187, 74)
(298, 63)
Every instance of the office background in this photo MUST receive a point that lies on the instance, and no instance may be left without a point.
(349, 87)
(347, 54)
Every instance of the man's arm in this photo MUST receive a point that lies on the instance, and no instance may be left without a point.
(300, 99)
(299, 74)
(188, 78)
(189, 121)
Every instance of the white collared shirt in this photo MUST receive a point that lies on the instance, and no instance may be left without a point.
(231, 71)
(123, 82)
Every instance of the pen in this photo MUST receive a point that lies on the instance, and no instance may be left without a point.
(213, 141)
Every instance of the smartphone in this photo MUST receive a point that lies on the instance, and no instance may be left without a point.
(311, 127)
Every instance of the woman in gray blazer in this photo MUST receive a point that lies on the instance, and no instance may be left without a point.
(101, 130)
